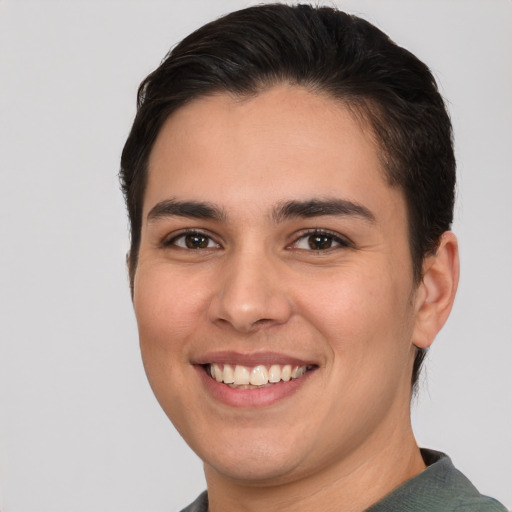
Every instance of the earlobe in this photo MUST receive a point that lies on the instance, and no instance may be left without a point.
(436, 292)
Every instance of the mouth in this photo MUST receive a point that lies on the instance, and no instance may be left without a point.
(253, 380)
(258, 376)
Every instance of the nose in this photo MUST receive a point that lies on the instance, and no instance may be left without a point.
(251, 294)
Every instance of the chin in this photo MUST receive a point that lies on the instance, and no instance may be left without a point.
(253, 471)
(258, 462)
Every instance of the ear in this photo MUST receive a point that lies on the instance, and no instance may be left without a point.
(436, 292)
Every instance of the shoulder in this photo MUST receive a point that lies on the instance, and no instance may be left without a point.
(454, 487)
(441, 487)
(199, 505)
(481, 504)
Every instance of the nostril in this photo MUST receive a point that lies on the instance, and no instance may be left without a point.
(262, 321)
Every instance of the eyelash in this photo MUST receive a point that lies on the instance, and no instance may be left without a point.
(169, 242)
(331, 237)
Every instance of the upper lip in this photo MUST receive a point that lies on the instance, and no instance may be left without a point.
(251, 359)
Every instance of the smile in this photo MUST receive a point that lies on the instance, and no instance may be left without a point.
(251, 377)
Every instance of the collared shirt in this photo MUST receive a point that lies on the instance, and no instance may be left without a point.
(439, 488)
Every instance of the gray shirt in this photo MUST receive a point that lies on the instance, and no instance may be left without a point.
(439, 488)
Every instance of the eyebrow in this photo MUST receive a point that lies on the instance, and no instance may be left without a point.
(282, 212)
(321, 207)
(191, 209)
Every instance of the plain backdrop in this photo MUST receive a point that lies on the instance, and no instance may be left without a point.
(80, 429)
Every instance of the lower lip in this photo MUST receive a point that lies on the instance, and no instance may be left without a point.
(250, 398)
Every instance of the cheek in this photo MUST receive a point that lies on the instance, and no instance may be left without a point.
(168, 305)
(169, 308)
(362, 313)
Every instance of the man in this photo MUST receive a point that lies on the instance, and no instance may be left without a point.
(290, 184)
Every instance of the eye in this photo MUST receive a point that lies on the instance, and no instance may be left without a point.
(193, 240)
(320, 241)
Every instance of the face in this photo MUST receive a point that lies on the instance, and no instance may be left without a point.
(274, 292)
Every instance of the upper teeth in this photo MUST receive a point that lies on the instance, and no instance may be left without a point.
(257, 376)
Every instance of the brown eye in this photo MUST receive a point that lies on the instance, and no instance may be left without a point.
(196, 241)
(193, 240)
(320, 242)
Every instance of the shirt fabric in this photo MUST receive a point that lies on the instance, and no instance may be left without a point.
(439, 488)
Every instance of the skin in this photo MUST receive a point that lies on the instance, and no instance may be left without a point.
(343, 436)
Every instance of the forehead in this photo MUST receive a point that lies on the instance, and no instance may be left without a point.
(284, 142)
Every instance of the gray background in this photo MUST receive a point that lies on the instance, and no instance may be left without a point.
(80, 429)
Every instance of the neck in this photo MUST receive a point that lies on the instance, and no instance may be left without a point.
(351, 485)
